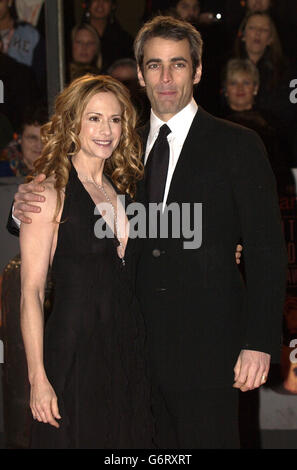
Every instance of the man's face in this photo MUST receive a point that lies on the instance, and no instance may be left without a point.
(258, 5)
(168, 75)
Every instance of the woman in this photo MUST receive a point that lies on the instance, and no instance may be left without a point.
(86, 51)
(89, 390)
(258, 41)
(241, 84)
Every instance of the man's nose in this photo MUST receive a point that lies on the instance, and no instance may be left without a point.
(166, 74)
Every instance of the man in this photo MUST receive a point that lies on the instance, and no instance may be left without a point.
(206, 330)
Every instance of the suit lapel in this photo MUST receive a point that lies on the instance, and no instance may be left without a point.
(191, 156)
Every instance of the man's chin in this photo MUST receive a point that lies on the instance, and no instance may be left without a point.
(168, 109)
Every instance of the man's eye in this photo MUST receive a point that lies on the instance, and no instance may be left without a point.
(153, 66)
(179, 65)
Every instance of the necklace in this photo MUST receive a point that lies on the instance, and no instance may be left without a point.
(115, 218)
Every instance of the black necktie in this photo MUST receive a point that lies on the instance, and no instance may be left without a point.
(157, 166)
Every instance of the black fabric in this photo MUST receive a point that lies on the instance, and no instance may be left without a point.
(157, 166)
(199, 312)
(11, 225)
(94, 339)
(196, 419)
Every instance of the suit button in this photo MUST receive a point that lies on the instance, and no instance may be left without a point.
(159, 290)
(156, 253)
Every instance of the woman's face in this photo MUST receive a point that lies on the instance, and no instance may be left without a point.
(257, 35)
(258, 5)
(84, 47)
(31, 144)
(100, 9)
(240, 91)
(188, 10)
(101, 126)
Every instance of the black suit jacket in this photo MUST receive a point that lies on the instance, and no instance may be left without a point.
(198, 310)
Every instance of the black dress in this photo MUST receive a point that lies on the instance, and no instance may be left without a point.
(94, 338)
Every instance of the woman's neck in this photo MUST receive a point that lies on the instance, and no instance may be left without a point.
(89, 169)
(241, 108)
(254, 57)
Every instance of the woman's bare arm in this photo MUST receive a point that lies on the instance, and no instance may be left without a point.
(37, 242)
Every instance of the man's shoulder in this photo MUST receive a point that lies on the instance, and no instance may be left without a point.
(223, 128)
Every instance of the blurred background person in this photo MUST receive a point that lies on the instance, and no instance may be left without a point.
(188, 10)
(283, 12)
(19, 87)
(22, 42)
(86, 51)
(258, 41)
(125, 70)
(241, 85)
(21, 153)
(116, 43)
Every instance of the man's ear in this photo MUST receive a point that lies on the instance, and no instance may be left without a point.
(140, 77)
(198, 74)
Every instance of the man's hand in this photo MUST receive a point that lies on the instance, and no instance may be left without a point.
(251, 370)
(238, 253)
(25, 195)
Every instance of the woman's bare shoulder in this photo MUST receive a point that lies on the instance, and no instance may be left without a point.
(48, 207)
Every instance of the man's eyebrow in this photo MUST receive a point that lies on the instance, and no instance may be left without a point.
(174, 59)
(178, 59)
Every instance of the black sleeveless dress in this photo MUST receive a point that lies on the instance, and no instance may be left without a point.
(94, 339)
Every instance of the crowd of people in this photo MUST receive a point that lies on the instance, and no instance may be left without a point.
(128, 357)
(262, 31)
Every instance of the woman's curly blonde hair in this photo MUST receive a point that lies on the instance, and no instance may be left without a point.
(60, 136)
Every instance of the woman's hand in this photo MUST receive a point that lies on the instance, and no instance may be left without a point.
(44, 402)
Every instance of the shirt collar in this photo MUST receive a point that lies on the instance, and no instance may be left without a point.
(179, 124)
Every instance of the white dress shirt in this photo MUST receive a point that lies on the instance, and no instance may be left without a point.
(179, 125)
